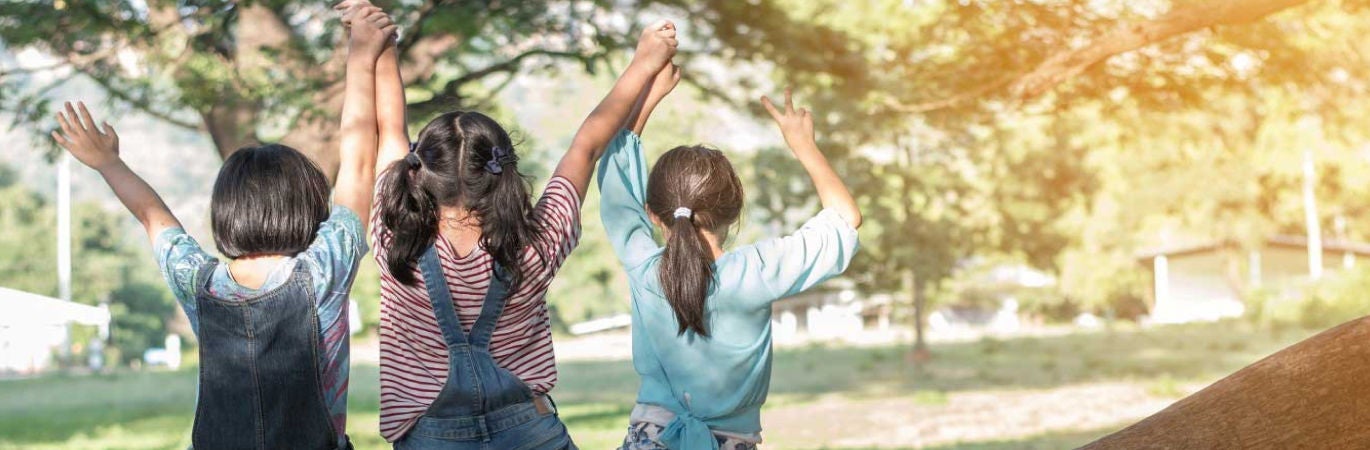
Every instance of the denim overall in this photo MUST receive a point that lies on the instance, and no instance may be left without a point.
(481, 406)
(260, 382)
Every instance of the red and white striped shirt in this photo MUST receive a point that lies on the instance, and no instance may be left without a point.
(413, 353)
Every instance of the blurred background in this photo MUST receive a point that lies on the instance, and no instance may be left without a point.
(1077, 211)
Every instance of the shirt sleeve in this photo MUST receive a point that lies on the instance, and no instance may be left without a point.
(558, 215)
(821, 249)
(623, 193)
(334, 255)
(179, 257)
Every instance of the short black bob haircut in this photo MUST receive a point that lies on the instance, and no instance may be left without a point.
(268, 200)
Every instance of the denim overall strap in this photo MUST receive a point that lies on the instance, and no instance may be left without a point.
(260, 378)
(441, 299)
(495, 298)
(481, 405)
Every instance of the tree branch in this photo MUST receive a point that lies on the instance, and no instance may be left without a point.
(1065, 64)
(141, 105)
(1128, 37)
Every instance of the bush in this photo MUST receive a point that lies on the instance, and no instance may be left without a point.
(1335, 299)
(139, 312)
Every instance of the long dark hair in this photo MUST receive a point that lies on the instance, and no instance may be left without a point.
(455, 164)
(267, 200)
(702, 180)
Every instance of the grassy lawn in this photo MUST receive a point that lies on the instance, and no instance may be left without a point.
(154, 410)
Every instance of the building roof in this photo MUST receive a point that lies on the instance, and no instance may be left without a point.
(29, 309)
(1285, 241)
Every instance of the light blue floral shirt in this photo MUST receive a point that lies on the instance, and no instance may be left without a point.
(332, 261)
(719, 382)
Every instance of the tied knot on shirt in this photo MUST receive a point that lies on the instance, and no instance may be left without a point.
(688, 431)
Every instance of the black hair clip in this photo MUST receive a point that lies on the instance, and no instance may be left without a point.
(499, 157)
(413, 147)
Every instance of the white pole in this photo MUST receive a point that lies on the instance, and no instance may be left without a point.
(1310, 209)
(1161, 268)
(64, 226)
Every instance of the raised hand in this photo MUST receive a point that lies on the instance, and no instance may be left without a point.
(96, 147)
(657, 45)
(371, 28)
(795, 125)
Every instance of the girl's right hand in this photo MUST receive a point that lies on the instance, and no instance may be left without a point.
(372, 29)
(95, 147)
(657, 45)
(795, 125)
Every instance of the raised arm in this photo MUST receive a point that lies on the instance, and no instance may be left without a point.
(655, 47)
(371, 30)
(797, 127)
(390, 109)
(98, 148)
(665, 80)
(390, 101)
(623, 179)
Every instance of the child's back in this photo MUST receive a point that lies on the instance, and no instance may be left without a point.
(702, 317)
(271, 322)
(277, 353)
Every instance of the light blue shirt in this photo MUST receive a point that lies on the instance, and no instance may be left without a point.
(331, 259)
(718, 382)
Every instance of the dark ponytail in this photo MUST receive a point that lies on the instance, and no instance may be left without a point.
(692, 190)
(464, 160)
(411, 215)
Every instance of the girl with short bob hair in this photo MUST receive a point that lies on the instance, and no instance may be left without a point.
(701, 316)
(271, 320)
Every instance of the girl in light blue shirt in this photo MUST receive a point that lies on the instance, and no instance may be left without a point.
(701, 316)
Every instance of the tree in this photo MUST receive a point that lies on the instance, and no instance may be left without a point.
(250, 71)
(109, 268)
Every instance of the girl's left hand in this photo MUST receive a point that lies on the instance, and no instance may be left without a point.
(94, 146)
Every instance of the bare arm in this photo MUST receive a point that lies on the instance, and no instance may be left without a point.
(100, 151)
(655, 47)
(797, 127)
(390, 109)
(662, 84)
(357, 150)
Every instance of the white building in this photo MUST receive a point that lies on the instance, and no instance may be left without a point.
(34, 327)
(1203, 282)
(835, 311)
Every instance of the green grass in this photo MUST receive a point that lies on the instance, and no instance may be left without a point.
(154, 410)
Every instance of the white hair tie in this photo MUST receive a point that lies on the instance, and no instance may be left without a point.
(683, 213)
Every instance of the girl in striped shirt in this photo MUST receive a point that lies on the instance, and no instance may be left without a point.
(466, 257)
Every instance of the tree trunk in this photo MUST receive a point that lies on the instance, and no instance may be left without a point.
(1309, 395)
(920, 345)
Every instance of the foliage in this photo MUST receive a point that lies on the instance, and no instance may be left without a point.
(107, 265)
(1330, 301)
(1193, 139)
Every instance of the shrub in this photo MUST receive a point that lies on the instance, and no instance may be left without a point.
(1337, 298)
